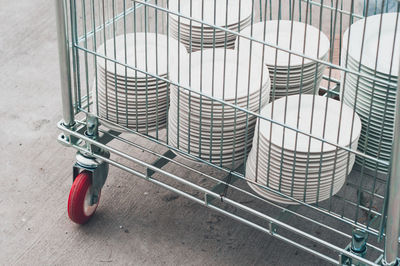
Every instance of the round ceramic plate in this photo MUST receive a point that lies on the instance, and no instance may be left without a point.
(206, 102)
(203, 131)
(131, 83)
(265, 153)
(313, 182)
(379, 34)
(141, 92)
(264, 158)
(307, 155)
(278, 173)
(283, 200)
(356, 66)
(314, 110)
(299, 188)
(198, 44)
(185, 25)
(291, 35)
(144, 79)
(131, 109)
(351, 62)
(228, 72)
(208, 120)
(204, 10)
(206, 38)
(371, 86)
(132, 126)
(206, 33)
(217, 112)
(132, 100)
(148, 51)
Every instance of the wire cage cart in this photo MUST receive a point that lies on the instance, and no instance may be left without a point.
(281, 114)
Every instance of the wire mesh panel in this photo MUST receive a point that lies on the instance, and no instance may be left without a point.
(295, 99)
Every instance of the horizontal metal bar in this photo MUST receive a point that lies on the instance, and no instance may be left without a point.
(218, 181)
(109, 22)
(347, 221)
(206, 191)
(161, 161)
(215, 208)
(276, 235)
(318, 209)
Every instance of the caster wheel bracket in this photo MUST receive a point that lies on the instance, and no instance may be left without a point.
(97, 167)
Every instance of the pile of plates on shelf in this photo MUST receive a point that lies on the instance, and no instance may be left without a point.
(131, 98)
(374, 101)
(207, 128)
(294, 164)
(290, 74)
(234, 15)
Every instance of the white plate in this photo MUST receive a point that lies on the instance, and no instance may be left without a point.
(308, 198)
(369, 85)
(216, 131)
(300, 160)
(313, 184)
(203, 98)
(140, 129)
(206, 121)
(309, 110)
(354, 65)
(123, 108)
(148, 51)
(122, 78)
(205, 44)
(185, 24)
(291, 36)
(197, 41)
(217, 111)
(264, 154)
(130, 83)
(141, 93)
(298, 188)
(130, 100)
(226, 73)
(204, 10)
(379, 29)
(207, 32)
(325, 173)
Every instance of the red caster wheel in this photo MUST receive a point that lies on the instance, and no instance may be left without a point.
(79, 208)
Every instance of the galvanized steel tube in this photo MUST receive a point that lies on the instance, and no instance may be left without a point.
(393, 211)
(64, 62)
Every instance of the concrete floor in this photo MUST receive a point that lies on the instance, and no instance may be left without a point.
(136, 223)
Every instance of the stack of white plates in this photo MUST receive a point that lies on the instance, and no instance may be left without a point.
(374, 101)
(234, 15)
(296, 165)
(207, 128)
(131, 98)
(290, 74)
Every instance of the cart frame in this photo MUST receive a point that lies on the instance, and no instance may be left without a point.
(81, 130)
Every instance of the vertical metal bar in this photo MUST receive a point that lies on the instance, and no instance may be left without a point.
(65, 71)
(393, 210)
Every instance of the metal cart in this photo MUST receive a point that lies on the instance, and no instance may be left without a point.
(359, 225)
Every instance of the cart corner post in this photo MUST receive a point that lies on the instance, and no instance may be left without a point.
(64, 62)
(393, 209)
